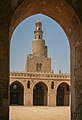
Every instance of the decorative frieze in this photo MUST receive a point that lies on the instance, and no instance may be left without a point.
(39, 75)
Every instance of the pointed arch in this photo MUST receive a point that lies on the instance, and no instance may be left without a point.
(40, 94)
(16, 93)
(63, 92)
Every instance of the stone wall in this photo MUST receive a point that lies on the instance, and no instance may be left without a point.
(35, 78)
(5, 17)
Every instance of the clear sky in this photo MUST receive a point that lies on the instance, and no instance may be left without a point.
(54, 36)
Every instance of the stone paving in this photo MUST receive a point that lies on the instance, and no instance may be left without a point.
(39, 113)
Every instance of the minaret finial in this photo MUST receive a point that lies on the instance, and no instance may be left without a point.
(38, 20)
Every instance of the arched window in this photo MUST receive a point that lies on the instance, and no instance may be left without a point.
(38, 67)
(39, 36)
(28, 84)
(52, 85)
(39, 28)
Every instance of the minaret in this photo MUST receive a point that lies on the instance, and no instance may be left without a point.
(38, 30)
(38, 61)
(38, 44)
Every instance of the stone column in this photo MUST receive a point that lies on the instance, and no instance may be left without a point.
(55, 95)
(28, 98)
(24, 95)
(45, 97)
(52, 98)
(48, 98)
(48, 94)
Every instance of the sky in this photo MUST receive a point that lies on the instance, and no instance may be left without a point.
(54, 36)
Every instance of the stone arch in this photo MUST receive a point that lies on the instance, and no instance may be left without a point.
(16, 93)
(52, 9)
(63, 14)
(62, 96)
(17, 80)
(40, 81)
(68, 83)
(40, 97)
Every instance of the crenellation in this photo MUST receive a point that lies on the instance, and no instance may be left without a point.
(42, 74)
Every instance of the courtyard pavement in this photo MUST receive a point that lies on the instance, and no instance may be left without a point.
(39, 113)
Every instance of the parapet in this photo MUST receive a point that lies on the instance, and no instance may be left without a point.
(46, 75)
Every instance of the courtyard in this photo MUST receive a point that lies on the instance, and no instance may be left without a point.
(39, 113)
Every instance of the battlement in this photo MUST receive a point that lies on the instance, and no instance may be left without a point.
(46, 75)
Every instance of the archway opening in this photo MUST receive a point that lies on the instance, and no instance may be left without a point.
(40, 94)
(41, 100)
(16, 93)
(57, 49)
(63, 95)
